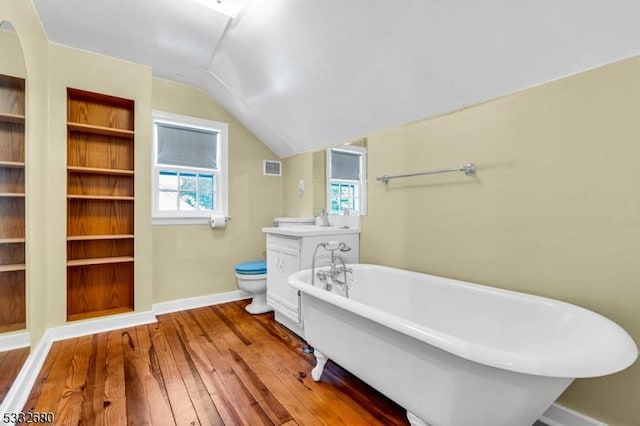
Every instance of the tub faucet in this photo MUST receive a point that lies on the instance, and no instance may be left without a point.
(335, 272)
(324, 217)
(334, 269)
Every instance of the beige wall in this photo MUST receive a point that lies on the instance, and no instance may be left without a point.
(50, 69)
(191, 260)
(96, 73)
(319, 186)
(196, 260)
(35, 51)
(312, 167)
(298, 167)
(554, 209)
(12, 62)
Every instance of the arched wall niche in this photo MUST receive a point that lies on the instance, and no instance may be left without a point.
(33, 43)
(13, 317)
(14, 336)
(26, 31)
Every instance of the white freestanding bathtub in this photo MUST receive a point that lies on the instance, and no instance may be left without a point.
(454, 353)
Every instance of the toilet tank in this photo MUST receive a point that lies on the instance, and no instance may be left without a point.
(287, 222)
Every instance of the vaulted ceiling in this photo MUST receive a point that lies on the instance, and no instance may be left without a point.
(307, 74)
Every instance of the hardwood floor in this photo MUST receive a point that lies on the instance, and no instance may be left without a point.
(10, 364)
(211, 366)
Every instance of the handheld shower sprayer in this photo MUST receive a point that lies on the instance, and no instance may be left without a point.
(335, 245)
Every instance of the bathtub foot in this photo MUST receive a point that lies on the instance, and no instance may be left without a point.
(415, 420)
(321, 360)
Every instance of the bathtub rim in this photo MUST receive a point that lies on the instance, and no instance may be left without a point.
(626, 354)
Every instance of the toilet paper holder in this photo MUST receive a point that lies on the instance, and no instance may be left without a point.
(215, 221)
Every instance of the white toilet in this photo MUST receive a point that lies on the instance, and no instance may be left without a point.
(252, 278)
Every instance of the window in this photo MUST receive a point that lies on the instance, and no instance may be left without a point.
(346, 180)
(189, 169)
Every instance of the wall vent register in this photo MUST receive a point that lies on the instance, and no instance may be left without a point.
(272, 168)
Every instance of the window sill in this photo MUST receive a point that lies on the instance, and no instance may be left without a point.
(180, 220)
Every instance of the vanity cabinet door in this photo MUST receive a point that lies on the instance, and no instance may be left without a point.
(282, 261)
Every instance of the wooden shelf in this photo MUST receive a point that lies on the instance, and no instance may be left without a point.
(12, 164)
(9, 268)
(100, 130)
(7, 117)
(11, 240)
(98, 197)
(99, 237)
(99, 171)
(93, 314)
(99, 261)
(11, 194)
(13, 327)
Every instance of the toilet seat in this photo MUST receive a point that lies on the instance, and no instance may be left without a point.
(256, 267)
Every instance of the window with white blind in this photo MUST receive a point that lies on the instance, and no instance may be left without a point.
(346, 180)
(189, 169)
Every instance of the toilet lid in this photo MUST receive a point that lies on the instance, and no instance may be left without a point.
(252, 268)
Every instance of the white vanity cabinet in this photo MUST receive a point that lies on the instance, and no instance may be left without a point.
(290, 250)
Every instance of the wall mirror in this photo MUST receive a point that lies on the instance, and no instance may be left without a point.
(346, 179)
(13, 321)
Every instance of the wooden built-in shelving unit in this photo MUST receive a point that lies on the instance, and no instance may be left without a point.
(100, 205)
(12, 204)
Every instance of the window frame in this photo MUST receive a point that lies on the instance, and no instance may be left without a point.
(361, 184)
(169, 217)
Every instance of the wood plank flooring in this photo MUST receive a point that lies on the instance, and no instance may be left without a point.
(216, 365)
(10, 364)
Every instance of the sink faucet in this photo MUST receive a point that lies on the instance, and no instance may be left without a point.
(334, 269)
(324, 217)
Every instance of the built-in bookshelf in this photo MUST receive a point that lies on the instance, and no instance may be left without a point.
(100, 205)
(12, 204)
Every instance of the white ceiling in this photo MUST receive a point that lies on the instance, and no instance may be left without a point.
(305, 74)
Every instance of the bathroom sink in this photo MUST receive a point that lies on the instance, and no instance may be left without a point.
(309, 230)
(314, 228)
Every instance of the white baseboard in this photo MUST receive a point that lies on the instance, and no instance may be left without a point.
(557, 415)
(15, 341)
(100, 325)
(198, 302)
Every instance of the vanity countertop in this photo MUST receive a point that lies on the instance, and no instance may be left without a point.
(310, 230)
